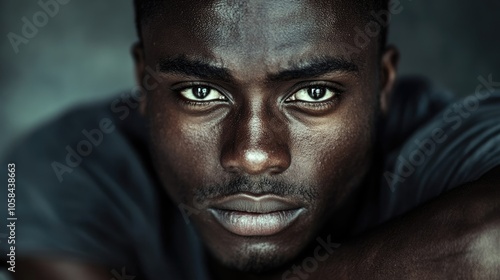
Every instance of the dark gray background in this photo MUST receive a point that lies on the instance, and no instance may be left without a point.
(83, 53)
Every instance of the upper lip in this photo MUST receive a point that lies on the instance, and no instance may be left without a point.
(255, 204)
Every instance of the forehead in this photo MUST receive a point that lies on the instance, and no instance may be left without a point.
(256, 34)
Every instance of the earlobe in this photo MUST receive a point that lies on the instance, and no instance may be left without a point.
(139, 61)
(389, 64)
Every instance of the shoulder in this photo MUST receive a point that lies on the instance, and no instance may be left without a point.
(456, 146)
(83, 184)
(81, 137)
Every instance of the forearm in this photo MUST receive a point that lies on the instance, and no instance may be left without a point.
(456, 235)
(60, 270)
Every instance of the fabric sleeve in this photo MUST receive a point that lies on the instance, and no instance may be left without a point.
(70, 205)
(458, 146)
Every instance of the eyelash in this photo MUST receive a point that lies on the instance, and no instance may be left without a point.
(191, 103)
(318, 105)
(194, 103)
(313, 105)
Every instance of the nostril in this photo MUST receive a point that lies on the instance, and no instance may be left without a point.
(232, 169)
(276, 170)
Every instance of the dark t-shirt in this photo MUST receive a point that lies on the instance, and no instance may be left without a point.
(86, 189)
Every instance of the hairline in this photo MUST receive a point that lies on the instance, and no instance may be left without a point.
(141, 7)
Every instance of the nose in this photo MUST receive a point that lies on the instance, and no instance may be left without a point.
(255, 143)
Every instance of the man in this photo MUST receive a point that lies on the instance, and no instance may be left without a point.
(277, 152)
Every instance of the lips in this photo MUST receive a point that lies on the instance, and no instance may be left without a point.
(248, 215)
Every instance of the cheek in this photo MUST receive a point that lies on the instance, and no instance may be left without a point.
(337, 154)
(185, 152)
(333, 154)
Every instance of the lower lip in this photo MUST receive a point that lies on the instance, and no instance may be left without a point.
(255, 224)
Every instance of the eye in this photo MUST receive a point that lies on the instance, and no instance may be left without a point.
(313, 94)
(202, 94)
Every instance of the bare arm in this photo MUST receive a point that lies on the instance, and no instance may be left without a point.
(59, 270)
(456, 236)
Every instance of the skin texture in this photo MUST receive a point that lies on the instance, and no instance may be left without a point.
(456, 236)
(257, 133)
(254, 140)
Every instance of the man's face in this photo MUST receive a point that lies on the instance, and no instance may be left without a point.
(261, 121)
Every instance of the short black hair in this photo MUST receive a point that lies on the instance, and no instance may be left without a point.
(144, 9)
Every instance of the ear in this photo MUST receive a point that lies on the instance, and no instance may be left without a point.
(140, 72)
(389, 64)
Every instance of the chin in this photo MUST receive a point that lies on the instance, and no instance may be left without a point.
(256, 254)
(255, 258)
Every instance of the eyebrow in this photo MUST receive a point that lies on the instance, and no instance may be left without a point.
(205, 70)
(315, 68)
(193, 67)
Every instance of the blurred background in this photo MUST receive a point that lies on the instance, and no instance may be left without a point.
(82, 53)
